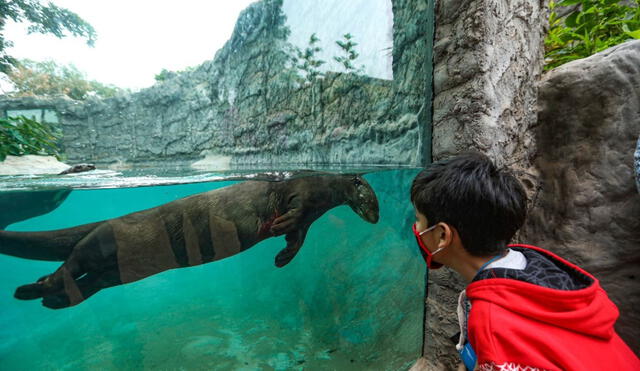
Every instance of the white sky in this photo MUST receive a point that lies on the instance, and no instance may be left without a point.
(136, 38)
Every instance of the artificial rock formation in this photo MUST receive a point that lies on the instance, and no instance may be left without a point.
(251, 105)
(588, 208)
(488, 56)
(32, 165)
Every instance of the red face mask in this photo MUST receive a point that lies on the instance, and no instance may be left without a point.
(426, 254)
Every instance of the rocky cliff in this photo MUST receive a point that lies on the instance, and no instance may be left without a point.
(253, 105)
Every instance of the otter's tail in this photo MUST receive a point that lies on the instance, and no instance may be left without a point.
(51, 245)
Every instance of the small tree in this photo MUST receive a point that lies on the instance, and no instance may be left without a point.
(347, 47)
(48, 79)
(307, 62)
(165, 74)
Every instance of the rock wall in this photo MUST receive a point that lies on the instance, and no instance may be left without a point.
(251, 105)
(488, 56)
(588, 209)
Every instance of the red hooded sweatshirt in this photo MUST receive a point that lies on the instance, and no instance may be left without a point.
(518, 325)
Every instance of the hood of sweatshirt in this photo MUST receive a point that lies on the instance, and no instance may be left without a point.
(549, 290)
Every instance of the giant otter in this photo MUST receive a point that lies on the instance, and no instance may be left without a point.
(191, 231)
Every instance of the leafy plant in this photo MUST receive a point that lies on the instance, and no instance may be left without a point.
(49, 78)
(307, 62)
(347, 46)
(593, 26)
(22, 136)
(165, 74)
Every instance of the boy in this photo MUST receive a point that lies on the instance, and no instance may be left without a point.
(524, 308)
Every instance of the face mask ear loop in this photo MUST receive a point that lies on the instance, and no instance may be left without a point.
(428, 229)
(428, 254)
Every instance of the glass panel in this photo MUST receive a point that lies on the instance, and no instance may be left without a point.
(351, 299)
(335, 86)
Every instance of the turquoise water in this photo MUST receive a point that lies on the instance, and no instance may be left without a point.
(350, 300)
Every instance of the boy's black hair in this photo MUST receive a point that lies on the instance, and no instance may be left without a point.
(485, 205)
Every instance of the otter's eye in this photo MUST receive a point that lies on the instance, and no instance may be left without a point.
(356, 181)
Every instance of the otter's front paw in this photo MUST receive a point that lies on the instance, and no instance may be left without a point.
(284, 257)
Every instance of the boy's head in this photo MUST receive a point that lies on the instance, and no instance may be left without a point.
(485, 205)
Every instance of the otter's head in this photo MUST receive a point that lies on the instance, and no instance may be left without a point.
(362, 199)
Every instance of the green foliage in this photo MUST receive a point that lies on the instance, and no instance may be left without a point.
(593, 26)
(307, 62)
(49, 79)
(44, 19)
(165, 74)
(22, 136)
(347, 47)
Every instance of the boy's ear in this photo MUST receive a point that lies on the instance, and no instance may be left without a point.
(446, 235)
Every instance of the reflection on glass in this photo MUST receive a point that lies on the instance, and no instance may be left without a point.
(369, 26)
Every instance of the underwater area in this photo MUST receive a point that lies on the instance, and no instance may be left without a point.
(351, 299)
